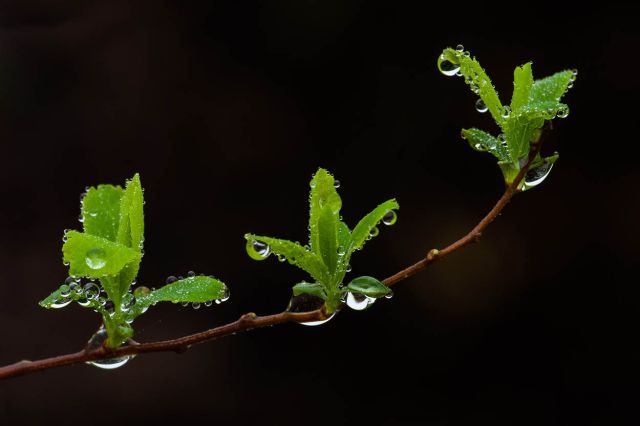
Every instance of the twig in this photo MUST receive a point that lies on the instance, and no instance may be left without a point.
(250, 321)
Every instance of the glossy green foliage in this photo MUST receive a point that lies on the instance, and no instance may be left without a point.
(331, 243)
(533, 103)
(104, 261)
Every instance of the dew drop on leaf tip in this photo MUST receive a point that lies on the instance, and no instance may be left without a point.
(447, 67)
(536, 176)
(390, 218)
(258, 250)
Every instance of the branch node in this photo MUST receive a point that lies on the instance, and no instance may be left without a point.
(248, 317)
(433, 253)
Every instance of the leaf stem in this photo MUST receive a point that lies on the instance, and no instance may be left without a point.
(251, 320)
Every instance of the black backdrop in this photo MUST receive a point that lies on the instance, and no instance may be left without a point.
(226, 109)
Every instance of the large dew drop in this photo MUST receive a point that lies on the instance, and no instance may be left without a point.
(95, 258)
(258, 250)
(390, 218)
(306, 303)
(535, 177)
(481, 106)
(96, 342)
(447, 67)
(358, 301)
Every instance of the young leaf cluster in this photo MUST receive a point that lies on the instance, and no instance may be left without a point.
(107, 257)
(331, 244)
(532, 104)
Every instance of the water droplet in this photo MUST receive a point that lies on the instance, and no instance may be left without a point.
(306, 303)
(75, 287)
(171, 279)
(459, 73)
(389, 295)
(574, 72)
(480, 106)
(225, 295)
(83, 301)
(191, 273)
(184, 304)
(459, 48)
(81, 218)
(390, 218)
(502, 139)
(563, 112)
(128, 300)
(91, 291)
(447, 67)
(60, 303)
(141, 291)
(358, 301)
(479, 147)
(258, 250)
(95, 258)
(95, 342)
(65, 290)
(336, 184)
(312, 184)
(315, 323)
(208, 303)
(349, 269)
(536, 176)
(280, 257)
(195, 305)
(374, 232)
(506, 112)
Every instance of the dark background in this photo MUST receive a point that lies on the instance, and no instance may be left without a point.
(226, 108)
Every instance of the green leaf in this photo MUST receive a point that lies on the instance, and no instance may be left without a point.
(296, 255)
(552, 88)
(522, 84)
(368, 286)
(323, 194)
(314, 289)
(95, 257)
(101, 211)
(328, 237)
(198, 289)
(476, 78)
(483, 141)
(131, 226)
(344, 235)
(361, 232)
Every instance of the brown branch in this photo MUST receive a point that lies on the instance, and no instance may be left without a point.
(250, 321)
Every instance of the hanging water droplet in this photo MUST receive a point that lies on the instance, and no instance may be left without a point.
(479, 147)
(65, 290)
(481, 107)
(563, 112)
(195, 305)
(536, 176)
(336, 184)
(96, 342)
(506, 112)
(191, 274)
(389, 295)
(349, 269)
(258, 250)
(60, 303)
(83, 301)
(306, 303)
(75, 287)
(91, 290)
(459, 73)
(374, 232)
(95, 258)
(208, 303)
(81, 218)
(225, 295)
(358, 301)
(574, 72)
(447, 67)
(171, 279)
(390, 218)
(459, 48)
(184, 304)
(280, 257)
